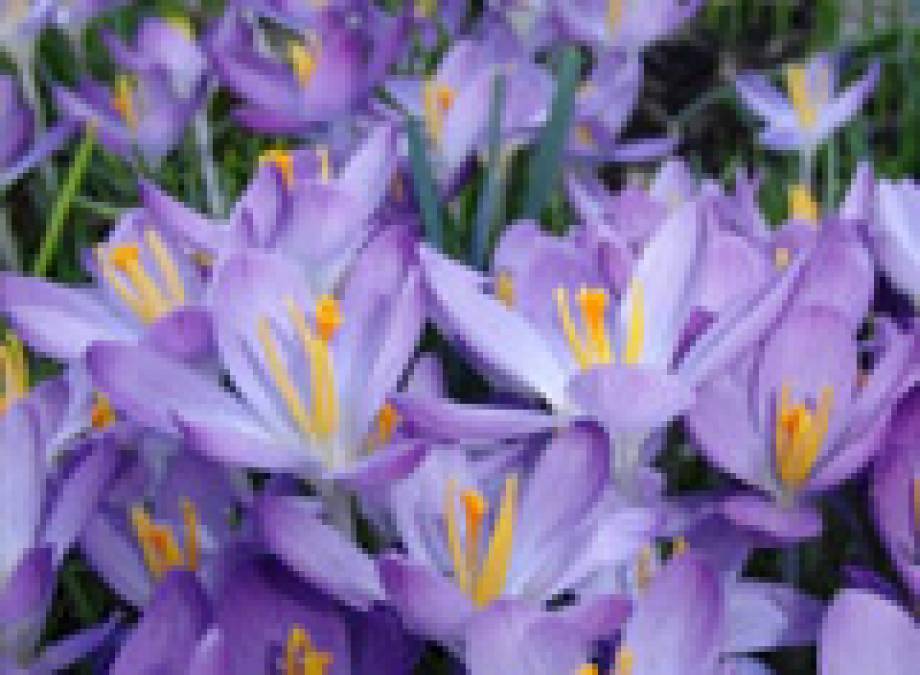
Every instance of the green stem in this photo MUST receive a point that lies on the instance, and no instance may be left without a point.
(63, 203)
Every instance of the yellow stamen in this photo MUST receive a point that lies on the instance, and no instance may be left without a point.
(160, 547)
(282, 379)
(504, 289)
(644, 568)
(781, 257)
(123, 101)
(635, 338)
(283, 162)
(437, 101)
(592, 348)
(461, 574)
(387, 420)
(614, 15)
(144, 297)
(182, 24)
(15, 372)
(101, 416)
(325, 170)
(166, 264)
(303, 62)
(328, 317)
(800, 432)
(680, 546)
(494, 573)
(584, 135)
(802, 205)
(475, 508)
(625, 661)
(803, 100)
(301, 657)
(588, 669)
(323, 393)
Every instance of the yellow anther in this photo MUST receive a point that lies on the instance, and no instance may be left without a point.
(592, 348)
(15, 372)
(437, 101)
(166, 265)
(800, 433)
(589, 669)
(781, 257)
(802, 205)
(160, 547)
(283, 161)
(123, 101)
(680, 546)
(485, 581)
(324, 413)
(635, 333)
(803, 98)
(182, 24)
(102, 415)
(328, 317)
(303, 61)
(282, 379)
(614, 15)
(141, 294)
(644, 568)
(504, 288)
(387, 420)
(325, 166)
(125, 256)
(585, 135)
(301, 657)
(625, 662)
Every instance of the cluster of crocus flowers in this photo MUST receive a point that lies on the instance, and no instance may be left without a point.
(261, 436)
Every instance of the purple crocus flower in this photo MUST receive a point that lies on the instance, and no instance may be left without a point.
(145, 290)
(863, 632)
(289, 191)
(628, 24)
(798, 421)
(521, 537)
(896, 491)
(892, 233)
(152, 101)
(316, 77)
(452, 101)
(20, 148)
(812, 110)
(313, 373)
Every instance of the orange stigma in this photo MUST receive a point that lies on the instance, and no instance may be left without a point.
(800, 433)
(282, 161)
(161, 549)
(101, 416)
(301, 657)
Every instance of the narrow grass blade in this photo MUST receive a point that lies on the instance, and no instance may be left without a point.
(425, 190)
(61, 209)
(545, 162)
(491, 194)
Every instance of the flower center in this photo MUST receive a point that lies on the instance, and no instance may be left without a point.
(102, 416)
(283, 163)
(301, 657)
(15, 371)
(303, 60)
(437, 100)
(481, 578)
(124, 271)
(803, 96)
(591, 345)
(162, 551)
(800, 432)
(123, 101)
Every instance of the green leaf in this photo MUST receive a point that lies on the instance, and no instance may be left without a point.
(425, 190)
(491, 195)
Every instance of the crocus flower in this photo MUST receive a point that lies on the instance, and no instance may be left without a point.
(314, 78)
(152, 101)
(299, 204)
(21, 148)
(478, 535)
(892, 234)
(313, 373)
(863, 632)
(799, 421)
(452, 101)
(896, 491)
(629, 24)
(812, 109)
(144, 289)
